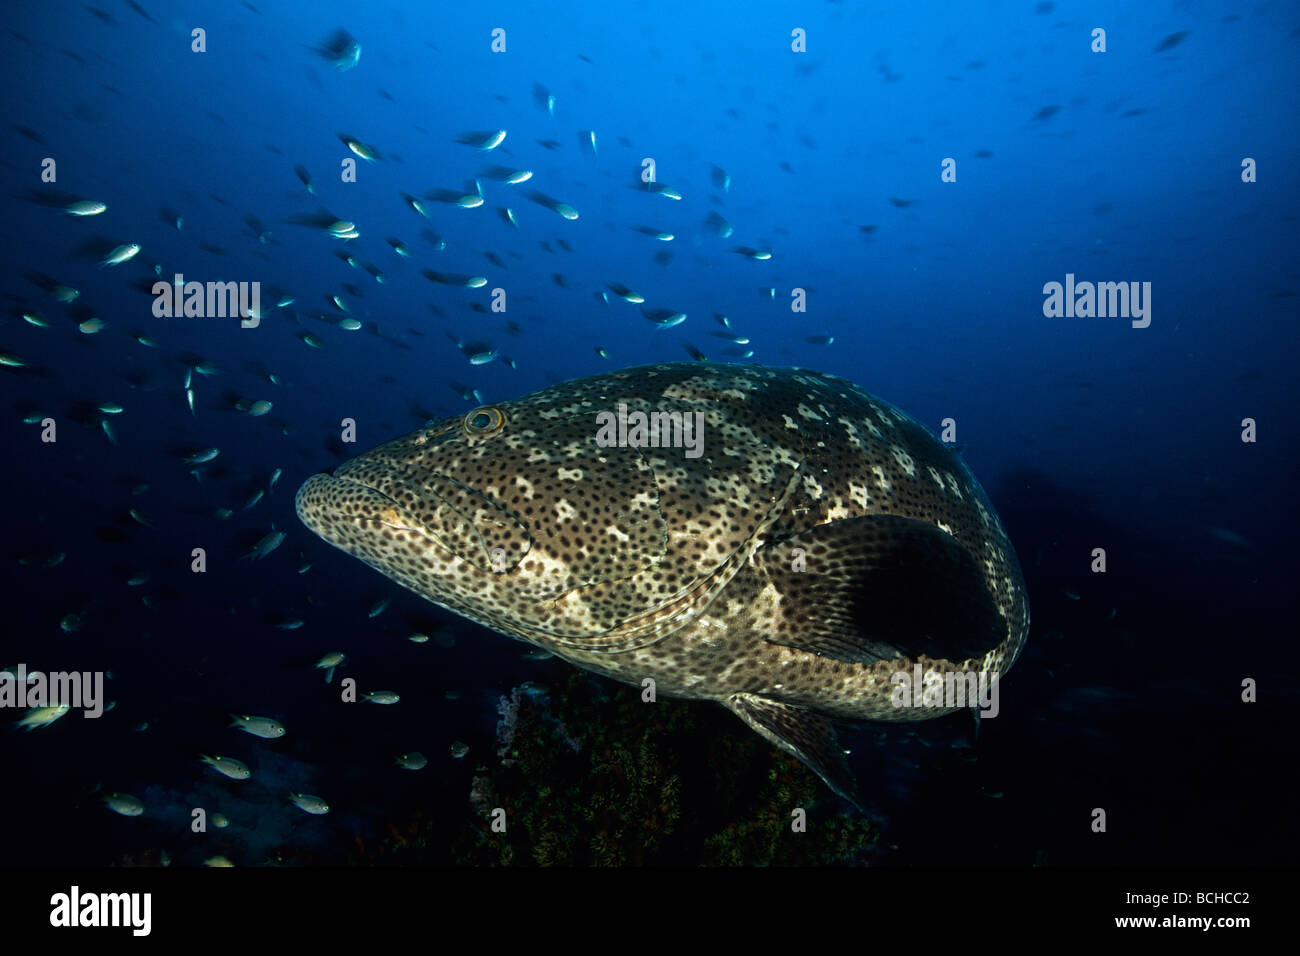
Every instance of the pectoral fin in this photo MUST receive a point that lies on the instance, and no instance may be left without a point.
(880, 587)
(806, 735)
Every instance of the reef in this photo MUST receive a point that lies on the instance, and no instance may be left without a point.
(589, 775)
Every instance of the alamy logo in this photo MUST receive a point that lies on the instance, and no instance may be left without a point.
(1104, 300)
(208, 300)
(52, 694)
(626, 429)
(946, 689)
(75, 908)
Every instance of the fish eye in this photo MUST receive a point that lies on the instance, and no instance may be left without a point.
(484, 421)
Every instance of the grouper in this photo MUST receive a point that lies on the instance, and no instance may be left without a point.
(775, 540)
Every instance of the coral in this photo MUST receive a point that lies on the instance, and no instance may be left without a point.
(672, 782)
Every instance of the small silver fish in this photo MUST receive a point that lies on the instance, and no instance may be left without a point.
(268, 543)
(329, 662)
(38, 717)
(484, 141)
(86, 207)
(263, 727)
(228, 767)
(121, 254)
(309, 803)
(124, 804)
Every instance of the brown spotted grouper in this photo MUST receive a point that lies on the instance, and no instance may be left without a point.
(775, 540)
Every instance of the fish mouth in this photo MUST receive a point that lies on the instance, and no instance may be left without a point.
(350, 512)
(325, 500)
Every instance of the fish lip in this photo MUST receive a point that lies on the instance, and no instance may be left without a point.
(407, 521)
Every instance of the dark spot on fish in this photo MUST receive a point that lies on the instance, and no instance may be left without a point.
(1047, 112)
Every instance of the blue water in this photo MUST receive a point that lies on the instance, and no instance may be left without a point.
(1087, 432)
